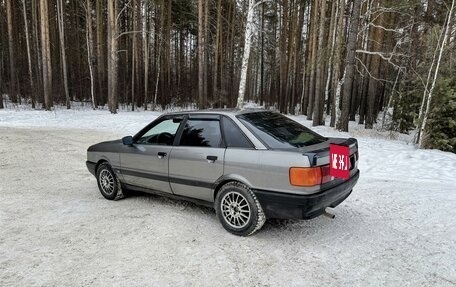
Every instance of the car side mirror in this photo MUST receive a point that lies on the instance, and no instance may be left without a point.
(128, 140)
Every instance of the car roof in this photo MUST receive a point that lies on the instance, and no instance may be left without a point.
(227, 112)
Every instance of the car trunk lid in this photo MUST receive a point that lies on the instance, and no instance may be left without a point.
(318, 154)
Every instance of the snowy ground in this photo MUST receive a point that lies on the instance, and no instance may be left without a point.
(396, 229)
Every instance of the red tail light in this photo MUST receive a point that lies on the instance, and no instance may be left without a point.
(325, 176)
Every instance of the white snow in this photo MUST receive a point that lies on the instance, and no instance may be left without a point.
(396, 229)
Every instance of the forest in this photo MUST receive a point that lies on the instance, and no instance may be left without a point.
(385, 64)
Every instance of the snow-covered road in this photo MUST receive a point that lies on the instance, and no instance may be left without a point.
(396, 229)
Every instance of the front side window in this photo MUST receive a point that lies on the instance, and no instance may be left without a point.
(201, 132)
(162, 133)
(278, 131)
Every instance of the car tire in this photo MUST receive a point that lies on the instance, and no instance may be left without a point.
(108, 183)
(238, 209)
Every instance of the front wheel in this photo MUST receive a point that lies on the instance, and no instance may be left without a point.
(108, 184)
(238, 209)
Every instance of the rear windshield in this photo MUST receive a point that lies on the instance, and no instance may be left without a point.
(278, 131)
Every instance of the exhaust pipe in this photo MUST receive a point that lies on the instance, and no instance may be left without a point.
(329, 215)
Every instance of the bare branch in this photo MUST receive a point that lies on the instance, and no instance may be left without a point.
(123, 9)
(367, 71)
(128, 32)
(399, 30)
(385, 56)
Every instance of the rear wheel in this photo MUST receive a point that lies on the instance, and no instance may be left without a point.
(238, 209)
(108, 183)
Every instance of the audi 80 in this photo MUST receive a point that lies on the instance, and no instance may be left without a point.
(249, 165)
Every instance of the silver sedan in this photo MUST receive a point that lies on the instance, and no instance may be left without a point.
(249, 165)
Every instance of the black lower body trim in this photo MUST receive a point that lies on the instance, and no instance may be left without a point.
(91, 167)
(169, 195)
(294, 206)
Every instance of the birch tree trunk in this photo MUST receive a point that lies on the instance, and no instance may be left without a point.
(138, 53)
(100, 52)
(426, 89)
(62, 50)
(90, 49)
(46, 55)
(311, 93)
(29, 56)
(429, 98)
(133, 54)
(246, 55)
(145, 38)
(206, 51)
(337, 83)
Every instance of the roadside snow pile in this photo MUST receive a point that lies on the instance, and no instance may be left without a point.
(122, 123)
(396, 229)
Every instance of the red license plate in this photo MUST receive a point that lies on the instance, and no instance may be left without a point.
(339, 156)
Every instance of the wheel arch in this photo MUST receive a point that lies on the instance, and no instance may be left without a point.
(226, 179)
(99, 162)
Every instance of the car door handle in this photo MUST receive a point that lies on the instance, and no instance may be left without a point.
(161, 154)
(211, 158)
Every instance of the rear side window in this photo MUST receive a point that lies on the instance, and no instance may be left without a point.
(202, 132)
(278, 131)
(234, 137)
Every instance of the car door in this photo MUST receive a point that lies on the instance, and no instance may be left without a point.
(196, 162)
(145, 163)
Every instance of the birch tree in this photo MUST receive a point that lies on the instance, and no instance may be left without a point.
(337, 82)
(101, 44)
(145, 38)
(90, 51)
(313, 57)
(133, 55)
(246, 55)
(436, 72)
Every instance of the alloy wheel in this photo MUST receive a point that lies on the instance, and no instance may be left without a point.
(107, 181)
(235, 209)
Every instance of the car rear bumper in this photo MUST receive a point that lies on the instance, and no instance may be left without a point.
(91, 167)
(293, 206)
